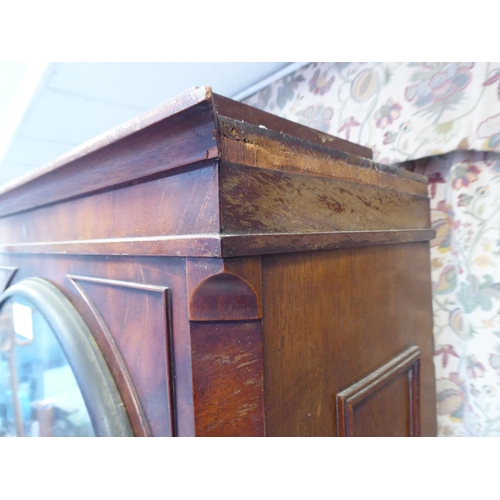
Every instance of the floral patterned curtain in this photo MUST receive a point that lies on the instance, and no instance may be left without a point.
(442, 120)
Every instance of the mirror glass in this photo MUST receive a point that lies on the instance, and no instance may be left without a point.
(39, 395)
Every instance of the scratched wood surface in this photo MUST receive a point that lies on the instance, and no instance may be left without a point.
(181, 132)
(228, 387)
(247, 114)
(255, 200)
(207, 211)
(249, 145)
(236, 269)
(225, 311)
(152, 187)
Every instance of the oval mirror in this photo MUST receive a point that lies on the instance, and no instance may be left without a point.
(54, 380)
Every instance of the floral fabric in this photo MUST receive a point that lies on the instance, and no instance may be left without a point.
(464, 188)
(402, 111)
(446, 118)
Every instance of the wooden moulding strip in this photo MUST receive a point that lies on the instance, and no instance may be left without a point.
(253, 116)
(238, 245)
(254, 146)
(169, 108)
(346, 400)
(172, 246)
(119, 159)
(256, 155)
(261, 244)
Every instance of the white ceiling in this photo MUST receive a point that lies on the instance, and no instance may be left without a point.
(74, 102)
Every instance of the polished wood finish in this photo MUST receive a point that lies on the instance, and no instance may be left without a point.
(363, 395)
(333, 318)
(242, 275)
(225, 312)
(101, 299)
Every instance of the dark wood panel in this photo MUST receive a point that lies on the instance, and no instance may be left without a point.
(136, 318)
(384, 403)
(333, 317)
(385, 413)
(115, 340)
(263, 201)
(151, 149)
(139, 339)
(227, 378)
(159, 213)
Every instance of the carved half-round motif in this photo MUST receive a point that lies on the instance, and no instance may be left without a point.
(224, 297)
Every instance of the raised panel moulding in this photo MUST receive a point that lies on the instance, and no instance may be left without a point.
(348, 399)
(131, 397)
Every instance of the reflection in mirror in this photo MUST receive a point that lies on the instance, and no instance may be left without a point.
(39, 395)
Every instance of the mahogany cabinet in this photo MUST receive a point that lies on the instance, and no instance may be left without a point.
(239, 274)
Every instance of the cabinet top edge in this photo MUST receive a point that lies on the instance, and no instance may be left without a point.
(218, 107)
(179, 103)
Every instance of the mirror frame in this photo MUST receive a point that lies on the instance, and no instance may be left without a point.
(102, 399)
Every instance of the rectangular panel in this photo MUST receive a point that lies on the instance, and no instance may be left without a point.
(134, 318)
(385, 403)
(227, 378)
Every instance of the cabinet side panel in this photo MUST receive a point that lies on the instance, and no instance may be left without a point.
(332, 318)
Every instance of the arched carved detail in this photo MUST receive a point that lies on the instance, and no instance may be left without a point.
(224, 297)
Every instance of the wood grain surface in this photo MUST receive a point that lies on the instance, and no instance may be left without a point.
(238, 271)
(255, 200)
(247, 114)
(228, 378)
(334, 317)
(224, 301)
(159, 212)
(126, 292)
(361, 408)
